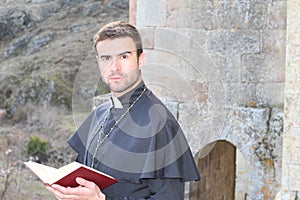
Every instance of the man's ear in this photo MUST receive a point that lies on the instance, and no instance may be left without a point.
(141, 60)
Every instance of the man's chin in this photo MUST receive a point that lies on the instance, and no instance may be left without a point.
(117, 89)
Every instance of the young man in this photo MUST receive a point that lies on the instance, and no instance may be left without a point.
(134, 137)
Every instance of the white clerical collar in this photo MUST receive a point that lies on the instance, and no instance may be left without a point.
(116, 102)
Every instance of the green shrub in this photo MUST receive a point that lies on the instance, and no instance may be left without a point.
(37, 147)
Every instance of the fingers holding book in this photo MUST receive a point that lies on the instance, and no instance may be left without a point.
(86, 190)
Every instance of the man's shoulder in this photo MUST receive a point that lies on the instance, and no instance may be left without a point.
(162, 107)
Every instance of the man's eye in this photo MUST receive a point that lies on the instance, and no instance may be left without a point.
(105, 58)
(124, 56)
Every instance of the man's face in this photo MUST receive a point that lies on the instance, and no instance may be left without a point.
(119, 65)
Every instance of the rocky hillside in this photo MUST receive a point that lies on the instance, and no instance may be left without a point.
(43, 45)
(48, 76)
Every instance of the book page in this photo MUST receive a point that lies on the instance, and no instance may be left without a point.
(66, 175)
(42, 171)
(64, 171)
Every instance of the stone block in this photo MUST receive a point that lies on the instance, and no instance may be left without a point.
(263, 68)
(287, 150)
(151, 13)
(270, 93)
(294, 177)
(292, 109)
(169, 64)
(196, 124)
(185, 48)
(255, 119)
(273, 41)
(216, 95)
(238, 94)
(295, 145)
(147, 35)
(193, 14)
(197, 36)
(277, 14)
(244, 128)
(293, 52)
(132, 11)
(292, 89)
(292, 72)
(173, 77)
(172, 40)
(238, 42)
(169, 88)
(228, 67)
(236, 15)
(293, 15)
(171, 105)
(293, 29)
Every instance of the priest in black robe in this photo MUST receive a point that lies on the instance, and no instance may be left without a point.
(133, 137)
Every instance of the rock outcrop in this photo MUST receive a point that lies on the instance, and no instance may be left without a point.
(43, 45)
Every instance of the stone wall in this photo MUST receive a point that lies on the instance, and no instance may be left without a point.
(223, 62)
(291, 158)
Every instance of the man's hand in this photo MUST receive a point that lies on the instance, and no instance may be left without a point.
(86, 190)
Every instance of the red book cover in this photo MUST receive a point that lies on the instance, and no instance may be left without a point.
(66, 175)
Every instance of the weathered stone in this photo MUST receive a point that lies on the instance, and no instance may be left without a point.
(192, 14)
(157, 18)
(286, 195)
(191, 119)
(277, 15)
(291, 72)
(239, 94)
(270, 93)
(172, 106)
(293, 176)
(292, 108)
(17, 46)
(257, 67)
(248, 129)
(238, 42)
(120, 4)
(235, 15)
(189, 13)
(13, 22)
(39, 1)
(69, 2)
(147, 35)
(5, 31)
(40, 90)
(39, 41)
(40, 11)
(273, 41)
(17, 17)
(92, 9)
(228, 67)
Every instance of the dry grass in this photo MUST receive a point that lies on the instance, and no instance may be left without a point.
(16, 181)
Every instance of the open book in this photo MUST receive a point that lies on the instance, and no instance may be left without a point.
(66, 175)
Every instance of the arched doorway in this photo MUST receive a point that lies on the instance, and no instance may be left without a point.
(217, 169)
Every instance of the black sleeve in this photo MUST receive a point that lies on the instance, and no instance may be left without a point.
(162, 189)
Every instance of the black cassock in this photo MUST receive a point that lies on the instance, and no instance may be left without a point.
(146, 151)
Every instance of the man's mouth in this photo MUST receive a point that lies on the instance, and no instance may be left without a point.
(116, 78)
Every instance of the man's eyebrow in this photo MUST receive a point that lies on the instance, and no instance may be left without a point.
(125, 52)
(119, 54)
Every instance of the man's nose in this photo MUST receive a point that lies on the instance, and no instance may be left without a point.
(115, 64)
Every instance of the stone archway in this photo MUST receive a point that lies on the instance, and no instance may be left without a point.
(217, 173)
